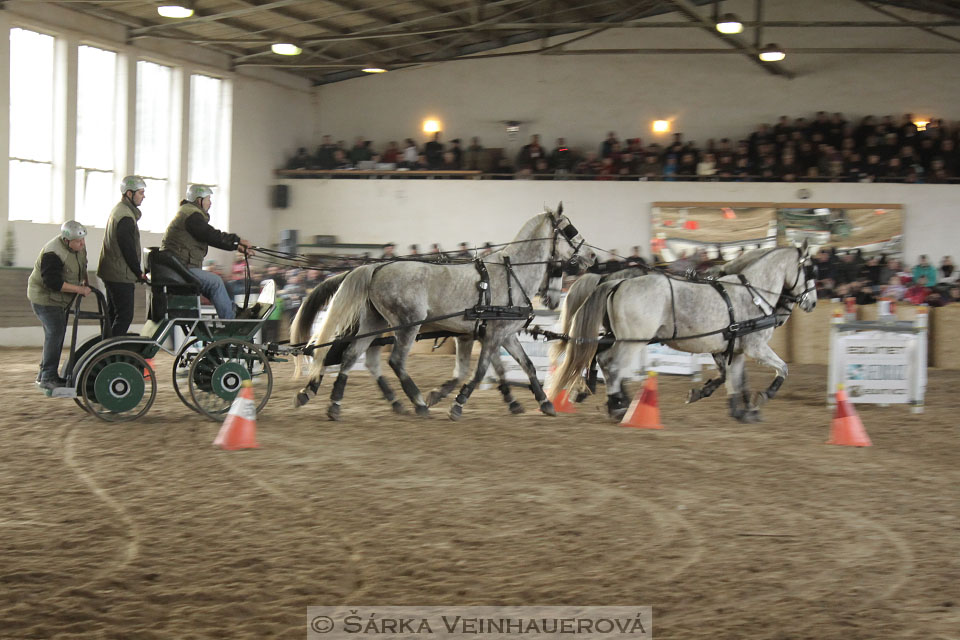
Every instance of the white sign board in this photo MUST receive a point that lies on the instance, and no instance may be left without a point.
(880, 367)
(663, 359)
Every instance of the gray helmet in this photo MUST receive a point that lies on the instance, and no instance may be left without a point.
(195, 191)
(132, 183)
(72, 230)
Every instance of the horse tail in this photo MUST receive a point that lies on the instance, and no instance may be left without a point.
(579, 291)
(582, 345)
(346, 310)
(316, 300)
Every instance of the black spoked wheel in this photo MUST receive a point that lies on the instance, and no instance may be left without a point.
(181, 370)
(118, 386)
(218, 372)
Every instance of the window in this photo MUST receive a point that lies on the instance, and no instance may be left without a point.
(155, 142)
(206, 163)
(96, 134)
(32, 101)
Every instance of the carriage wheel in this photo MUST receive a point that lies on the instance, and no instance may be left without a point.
(114, 388)
(218, 372)
(181, 369)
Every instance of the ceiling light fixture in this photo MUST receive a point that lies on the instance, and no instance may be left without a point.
(729, 23)
(175, 9)
(772, 53)
(431, 125)
(286, 49)
(921, 125)
(374, 70)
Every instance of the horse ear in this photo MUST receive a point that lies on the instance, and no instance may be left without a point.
(560, 208)
(803, 247)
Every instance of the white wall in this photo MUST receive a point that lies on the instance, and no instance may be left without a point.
(271, 112)
(611, 215)
(708, 96)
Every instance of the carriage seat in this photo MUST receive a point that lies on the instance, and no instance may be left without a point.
(166, 270)
(174, 290)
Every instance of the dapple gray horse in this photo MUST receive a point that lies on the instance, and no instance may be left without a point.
(669, 309)
(550, 295)
(413, 296)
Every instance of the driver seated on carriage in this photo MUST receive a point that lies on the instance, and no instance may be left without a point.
(189, 236)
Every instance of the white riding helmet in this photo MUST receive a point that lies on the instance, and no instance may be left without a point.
(132, 183)
(72, 230)
(195, 191)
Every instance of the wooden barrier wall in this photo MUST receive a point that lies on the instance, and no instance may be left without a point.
(16, 311)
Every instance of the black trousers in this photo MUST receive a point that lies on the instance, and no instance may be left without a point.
(119, 306)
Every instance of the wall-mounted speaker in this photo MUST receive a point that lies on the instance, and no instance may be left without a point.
(280, 196)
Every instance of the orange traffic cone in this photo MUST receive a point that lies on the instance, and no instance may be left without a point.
(846, 428)
(562, 403)
(239, 430)
(644, 411)
(146, 372)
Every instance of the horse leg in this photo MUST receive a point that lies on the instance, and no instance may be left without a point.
(762, 353)
(332, 357)
(350, 357)
(736, 383)
(591, 381)
(488, 348)
(460, 371)
(615, 364)
(712, 384)
(372, 362)
(398, 361)
(515, 349)
(504, 387)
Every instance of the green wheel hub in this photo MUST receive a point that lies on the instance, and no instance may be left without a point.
(228, 378)
(119, 386)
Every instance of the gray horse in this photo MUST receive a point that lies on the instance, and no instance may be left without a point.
(691, 316)
(550, 294)
(415, 297)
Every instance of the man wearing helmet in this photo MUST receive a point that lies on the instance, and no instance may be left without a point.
(58, 276)
(188, 237)
(119, 265)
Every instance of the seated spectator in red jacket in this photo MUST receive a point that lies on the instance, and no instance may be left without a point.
(917, 294)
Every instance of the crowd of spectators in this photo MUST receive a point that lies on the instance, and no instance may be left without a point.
(825, 148)
(851, 275)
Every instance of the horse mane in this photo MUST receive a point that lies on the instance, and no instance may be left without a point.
(526, 231)
(737, 265)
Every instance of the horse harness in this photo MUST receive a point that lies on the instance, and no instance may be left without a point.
(768, 318)
(484, 311)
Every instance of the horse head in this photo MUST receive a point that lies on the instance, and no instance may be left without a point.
(800, 282)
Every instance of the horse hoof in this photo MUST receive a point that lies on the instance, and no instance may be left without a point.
(334, 412)
(760, 399)
(693, 396)
(398, 408)
(433, 398)
(753, 416)
(617, 415)
(548, 409)
(423, 411)
(516, 408)
(456, 411)
(300, 400)
(583, 395)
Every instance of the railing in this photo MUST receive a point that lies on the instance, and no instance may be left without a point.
(561, 175)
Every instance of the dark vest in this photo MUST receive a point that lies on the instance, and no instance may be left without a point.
(180, 242)
(112, 267)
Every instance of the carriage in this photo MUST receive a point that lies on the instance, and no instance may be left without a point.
(113, 379)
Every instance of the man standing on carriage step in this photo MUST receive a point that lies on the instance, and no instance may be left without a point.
(59, 275)
(119, 267)
(188, 237)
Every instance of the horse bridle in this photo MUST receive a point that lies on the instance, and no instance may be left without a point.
(808, 268)
(555, 266)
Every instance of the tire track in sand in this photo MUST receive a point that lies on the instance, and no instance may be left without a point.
(132, 547)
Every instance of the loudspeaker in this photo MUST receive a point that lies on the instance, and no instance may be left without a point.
(280, 196)
(288, 241)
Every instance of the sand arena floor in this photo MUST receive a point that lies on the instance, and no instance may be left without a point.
(143, 530)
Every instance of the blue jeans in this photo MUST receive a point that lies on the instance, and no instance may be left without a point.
(213, 289)
(54, 321)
